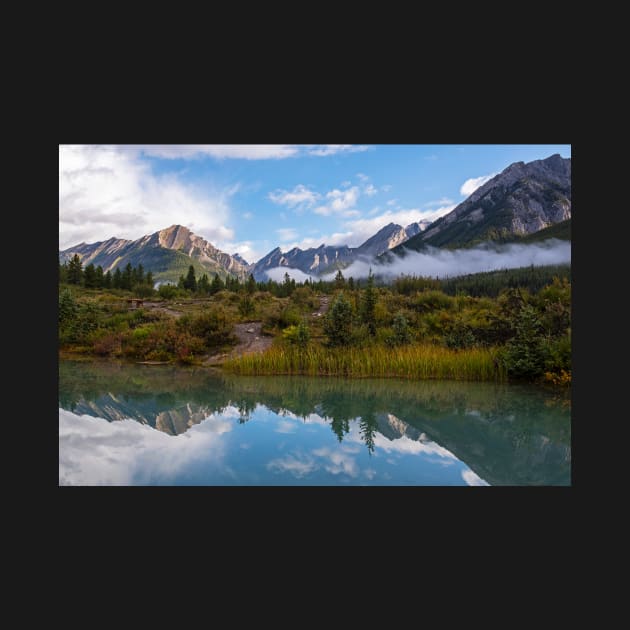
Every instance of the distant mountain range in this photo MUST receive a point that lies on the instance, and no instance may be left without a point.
(323, 259)
(167, 253)
(515, 205)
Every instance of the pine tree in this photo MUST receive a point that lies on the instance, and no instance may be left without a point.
(140, 274)
(340, 282)
(217, 284)
(127, 276)
(75, 270)
(107, 280)
(251, 285)
(190, 283)
(117, 279)
(149, 279)
(89, 277)
(203, 286)
(100, 279)
(338, 322)
(63, 273)
(368, 315)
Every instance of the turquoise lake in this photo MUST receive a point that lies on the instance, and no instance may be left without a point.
(163, 425)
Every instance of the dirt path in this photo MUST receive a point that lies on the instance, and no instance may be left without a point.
(249, 335)
(250, 340)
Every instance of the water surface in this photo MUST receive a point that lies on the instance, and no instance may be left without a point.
(163, 425)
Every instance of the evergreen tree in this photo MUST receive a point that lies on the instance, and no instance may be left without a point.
(190, 283)
(63, 273)
(340, 282)
(203, 286)
(524, 355)
(140, 274)
(338, 322)
(100, 279)
(149, 279)
(75, 270)
(251, 285)
(117, 280)
(351, 283)
(217, 284)
(89, 277)
(107, 280)
(127, 277)
(368, 315)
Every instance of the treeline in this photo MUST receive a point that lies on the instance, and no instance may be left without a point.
(129, 279)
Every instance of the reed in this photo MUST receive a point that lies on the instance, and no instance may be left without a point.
(413, 362)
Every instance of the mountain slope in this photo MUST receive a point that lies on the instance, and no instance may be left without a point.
(167, 253)
(523, 199)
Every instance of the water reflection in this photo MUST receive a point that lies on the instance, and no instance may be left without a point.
(218, 430)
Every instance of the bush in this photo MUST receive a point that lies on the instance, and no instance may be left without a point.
(428, 301)
(167, 291)
(297, 335)
(401, 335)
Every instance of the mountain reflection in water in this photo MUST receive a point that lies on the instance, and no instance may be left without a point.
(203, 428)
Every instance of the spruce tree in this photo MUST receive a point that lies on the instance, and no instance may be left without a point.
(107, 280)
(100, 278)
(89, 277)
(217, 284)
(190, 283)
(368, 314)
(127, 277)
(117, 279)
(251, 285)
(75, 270)
(338, 322)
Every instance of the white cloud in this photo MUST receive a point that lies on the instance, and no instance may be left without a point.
(442, 263)
(337, 462)
(299, 197)
(470, 185)
(340, 202)
(472, 479)
(297, 465)
(370, 190)
(277, 274)
(93, 451)
(286, 234)
(105, 192)
(363, 177)
(219, 151)
(386, 188)
(247, 215)
(332, 149)
(286, 426)
(346, 183)
(443, 201)
(392, 202)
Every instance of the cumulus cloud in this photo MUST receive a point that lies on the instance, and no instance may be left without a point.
(105, 192)
(369, 190)
(93, 451)
(286, 234)
(441, 263)
(470, 185)
(340, 202)
(299, 197)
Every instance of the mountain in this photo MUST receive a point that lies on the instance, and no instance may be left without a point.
(521, 200)
(327, 258)
(167, 253)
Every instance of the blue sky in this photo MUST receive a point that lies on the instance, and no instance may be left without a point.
(252, 198)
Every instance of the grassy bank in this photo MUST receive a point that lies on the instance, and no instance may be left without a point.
(415, 362)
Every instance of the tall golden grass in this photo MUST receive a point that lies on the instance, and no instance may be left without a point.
(414, 362)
